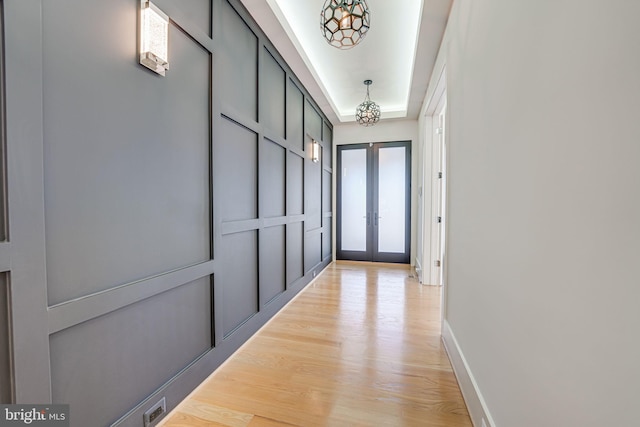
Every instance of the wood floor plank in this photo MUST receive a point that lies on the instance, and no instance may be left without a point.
(266, 422)
(180, 419)
(360, 346)
(212, 413)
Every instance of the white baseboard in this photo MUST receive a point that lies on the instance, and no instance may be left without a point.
(476, 405)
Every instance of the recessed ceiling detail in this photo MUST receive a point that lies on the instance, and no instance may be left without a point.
(387, 55)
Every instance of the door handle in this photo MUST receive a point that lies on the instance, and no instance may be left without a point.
(376, 219)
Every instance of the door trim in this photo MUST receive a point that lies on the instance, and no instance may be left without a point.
(437, 102)
(371, 254)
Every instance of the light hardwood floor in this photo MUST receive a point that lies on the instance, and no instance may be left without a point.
(360, 346)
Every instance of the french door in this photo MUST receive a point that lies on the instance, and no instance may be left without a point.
(374, 202)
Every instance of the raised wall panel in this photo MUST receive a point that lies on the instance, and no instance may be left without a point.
(272, 262)
(295, 251)
(312, 250)
(5, 333)
(23, 40)
(313, 195)
(327, 141)
(272, 179)
(326, 240)
(5, 366)
(236, 167)
(3, 146)
(312, 122)
(238, 278)
(107, 365)
(118, 163)
(126, 170)
(197, 12)
(313, 172)
(295, 185)
(326, 194)
(273, 111)
(295, 116)
(238, 64)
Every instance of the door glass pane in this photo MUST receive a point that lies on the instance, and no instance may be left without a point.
(391, 199)
(354, 200)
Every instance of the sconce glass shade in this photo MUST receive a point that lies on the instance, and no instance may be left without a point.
(154, 38)
(344, 23)
(368, 113)
(316, 151)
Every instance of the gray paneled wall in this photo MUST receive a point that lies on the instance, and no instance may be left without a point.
(313, 171)
(295, 252)
(295, 184)
(105, 365)
(327, 142)
(192, 14)
(236, 167)
(3, 147)
(180, 212)
(238, 65)
(327, 197)
(127, 198)
(5, 366)
(273, 115)
(238, 280)
(295, 116)
(273, 272)
(273, 180)
(263, 174)
(126, 178)
(5, 336)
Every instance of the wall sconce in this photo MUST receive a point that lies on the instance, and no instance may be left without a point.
(316, 151)
(154, 37)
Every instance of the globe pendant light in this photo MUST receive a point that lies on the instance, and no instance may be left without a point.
(344, 23)
(368, 113)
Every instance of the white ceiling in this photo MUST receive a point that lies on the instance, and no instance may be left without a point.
(397, 53)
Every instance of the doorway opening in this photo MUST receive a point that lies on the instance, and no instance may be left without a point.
(374, 202)
(438, 203)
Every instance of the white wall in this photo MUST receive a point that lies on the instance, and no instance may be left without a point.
(544, 207)
(384, 131)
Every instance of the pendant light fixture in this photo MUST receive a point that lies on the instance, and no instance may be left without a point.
(344, 23)
(368, 113)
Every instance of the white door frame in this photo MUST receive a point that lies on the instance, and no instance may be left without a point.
(435, 161)
(431, 162)
(438, 192)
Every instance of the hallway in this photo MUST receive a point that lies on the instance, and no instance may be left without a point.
(359, 346)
